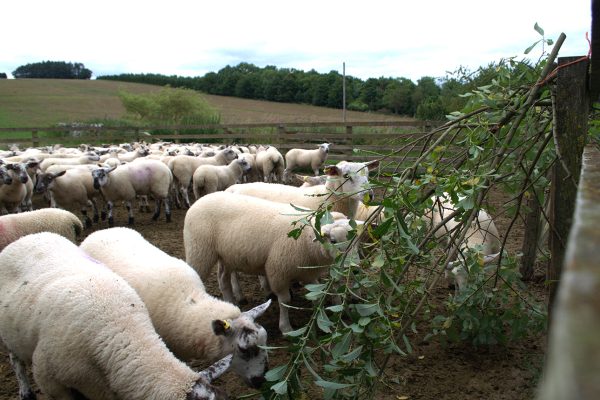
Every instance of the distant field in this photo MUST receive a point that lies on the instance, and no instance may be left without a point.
(45, 102)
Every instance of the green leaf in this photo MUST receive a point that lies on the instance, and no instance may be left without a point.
(280, 388)
(323, 322)
(333, 385)
(315, 287)
(337, 308)
(538, 29)
(352, 355)
(528, 50)
(297, 332)
(367, 309)
(343, 346)
(276, 373)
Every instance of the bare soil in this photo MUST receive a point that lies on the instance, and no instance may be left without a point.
(432, 372)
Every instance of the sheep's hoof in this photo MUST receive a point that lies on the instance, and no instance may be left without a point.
(155, 217)
(242, 302)
(103, 215)
(130, 221)
(29, 396)
(272, 297)
(111, 221)
(168, 217)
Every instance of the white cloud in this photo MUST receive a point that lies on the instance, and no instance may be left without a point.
(375, 38)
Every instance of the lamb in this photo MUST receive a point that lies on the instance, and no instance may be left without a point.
(306, 159)
(14, 193)
(183, 168)
(193, 324)
(248, 234)
(345, 187)
(70, 187)
(55, 220)
(270, 164)
(212, 178)
(85, 331)
(253, 174)
(142, 177)
(482, 235)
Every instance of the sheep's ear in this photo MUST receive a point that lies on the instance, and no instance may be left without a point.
(111, 169)
(373, 164)
(258, 310)
(221, 327)
(33, 164)
(217, 369)
(332, 170)
(61, 173)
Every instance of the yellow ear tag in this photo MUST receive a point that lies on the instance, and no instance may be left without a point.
(226, 325)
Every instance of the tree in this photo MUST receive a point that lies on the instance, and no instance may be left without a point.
(53, 70)
(398, 96)
(3, 75)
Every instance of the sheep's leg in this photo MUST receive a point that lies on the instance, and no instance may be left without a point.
(111, 220)
(129, 212)
(25, 390)
(284, 298)
(237, 290)
(94, 205)
(167, 209)
(185, 196)
(225, 284)
(158, 203)
(86, 219)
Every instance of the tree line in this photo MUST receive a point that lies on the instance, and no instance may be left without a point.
(53, 70)
(428, 98)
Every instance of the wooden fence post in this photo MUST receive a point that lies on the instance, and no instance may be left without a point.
(35, 141)
(570, 130)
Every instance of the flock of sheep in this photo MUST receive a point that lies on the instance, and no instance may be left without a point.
(118, 318)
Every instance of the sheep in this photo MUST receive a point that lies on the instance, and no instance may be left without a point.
(305, 159)
(55, 220)
(248, 234)
(142, 177)
(211, 178)
(253, 174)
(345, 187)
(482, 235)
(193, 324)
(270, 164)
(84, 330)
(14, 193)
(183, 168)
(83, 159)
(70, 187)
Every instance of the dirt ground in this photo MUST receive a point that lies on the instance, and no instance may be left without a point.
(433, 372)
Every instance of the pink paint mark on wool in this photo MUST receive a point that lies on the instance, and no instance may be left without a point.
(142, 175)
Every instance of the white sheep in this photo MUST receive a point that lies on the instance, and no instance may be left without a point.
(82, 159)
(183, 168)
(212, 178)
(55, 220)
(270, 164)
(482, 236)
(72, 187)
(347, 183)
(84, 330)
(193, 324)
(14, 191)
(141, 177)
(306, 159)
(250, 235)
(253, 174)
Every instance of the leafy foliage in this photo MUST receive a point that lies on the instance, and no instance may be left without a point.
(377, 298)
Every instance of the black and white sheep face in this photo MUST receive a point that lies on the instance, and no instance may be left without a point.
(19, 171)
(247, 339)
(5, 177)
(246, 167)
(45, 181)
(100, 176)
(324, 147)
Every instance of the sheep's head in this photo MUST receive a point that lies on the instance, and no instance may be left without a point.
(351, 178)
(45, 181)
(202, 389)
(338, 234)
(243, 162)
(229, 154)
(100, 176)
(19, 170)
(247, 339)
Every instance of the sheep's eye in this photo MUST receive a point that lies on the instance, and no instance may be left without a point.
(347, 176)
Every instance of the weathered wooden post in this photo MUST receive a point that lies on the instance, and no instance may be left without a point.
(570, 130)
(35, 141)
(574, 345)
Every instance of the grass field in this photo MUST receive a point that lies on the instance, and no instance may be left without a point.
(46, 102)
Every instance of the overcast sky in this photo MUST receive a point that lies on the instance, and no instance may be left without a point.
(374, 38)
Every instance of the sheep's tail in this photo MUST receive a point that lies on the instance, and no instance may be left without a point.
(77, 226)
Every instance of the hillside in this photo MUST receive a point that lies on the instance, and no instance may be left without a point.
(45, 102)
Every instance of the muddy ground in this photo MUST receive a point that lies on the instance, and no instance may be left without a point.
(433, 372)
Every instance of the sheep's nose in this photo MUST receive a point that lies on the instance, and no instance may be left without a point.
(96, 184)
(257, 381)
(371, 195)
